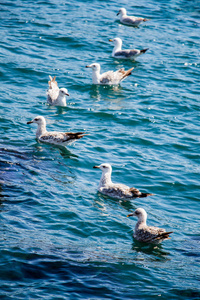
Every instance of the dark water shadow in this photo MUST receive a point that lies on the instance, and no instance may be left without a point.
(126, 204)
(187, 293)
(10, 161)
(64, 152)
(150, 249)
(62, 109)
(3, 196)
(13, 167)
(59, 110)
(12, 152)
(190, 247)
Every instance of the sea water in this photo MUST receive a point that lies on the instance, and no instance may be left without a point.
(60, 238)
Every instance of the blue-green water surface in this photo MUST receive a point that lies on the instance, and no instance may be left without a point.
(61, 239)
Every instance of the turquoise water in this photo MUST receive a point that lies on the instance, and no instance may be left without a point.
(60, 239)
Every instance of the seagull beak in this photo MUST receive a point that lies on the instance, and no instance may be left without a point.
(118, 13)
(67, 94)
(130, 215)
(29, 122)
(110, 40)
(96, 167)
(88, 66)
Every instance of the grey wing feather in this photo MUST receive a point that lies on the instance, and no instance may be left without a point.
(126, 53)
(129, 20)
(107, 77)
(132, 20)
(111, 77)
(105, 80)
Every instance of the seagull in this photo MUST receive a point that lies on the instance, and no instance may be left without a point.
(125, 54)
(147, 234)
(116, 190)
(56, 96)
(54, 137)
(130, 20)
(108, 78)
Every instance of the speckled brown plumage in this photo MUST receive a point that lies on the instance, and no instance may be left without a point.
(147, 234)
(116, 190)
(54, 137)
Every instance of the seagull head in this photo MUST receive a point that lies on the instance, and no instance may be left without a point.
(140, 213)
(39, 120)
(94, 66)
(122, 11)
(104, 167)
(63, 92)
(116, 41)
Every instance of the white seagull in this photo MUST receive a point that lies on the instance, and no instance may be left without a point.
(147, 234)
(108, 78)
(116, 190)
(130, 20)
(125, 54)
(56, 96)
(54, 137)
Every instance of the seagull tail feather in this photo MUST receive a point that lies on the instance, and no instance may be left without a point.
(164, 235)
(144, 50)
(161, 236)
(76, 135)
(127, 73)
(144, 20)
(52, 80)
(143, 195)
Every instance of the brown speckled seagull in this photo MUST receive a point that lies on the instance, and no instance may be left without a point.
(116, 190)
(56, 96)
(54, 137)
(147, 234)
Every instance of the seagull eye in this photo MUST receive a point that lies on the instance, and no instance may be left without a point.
(36, 119)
